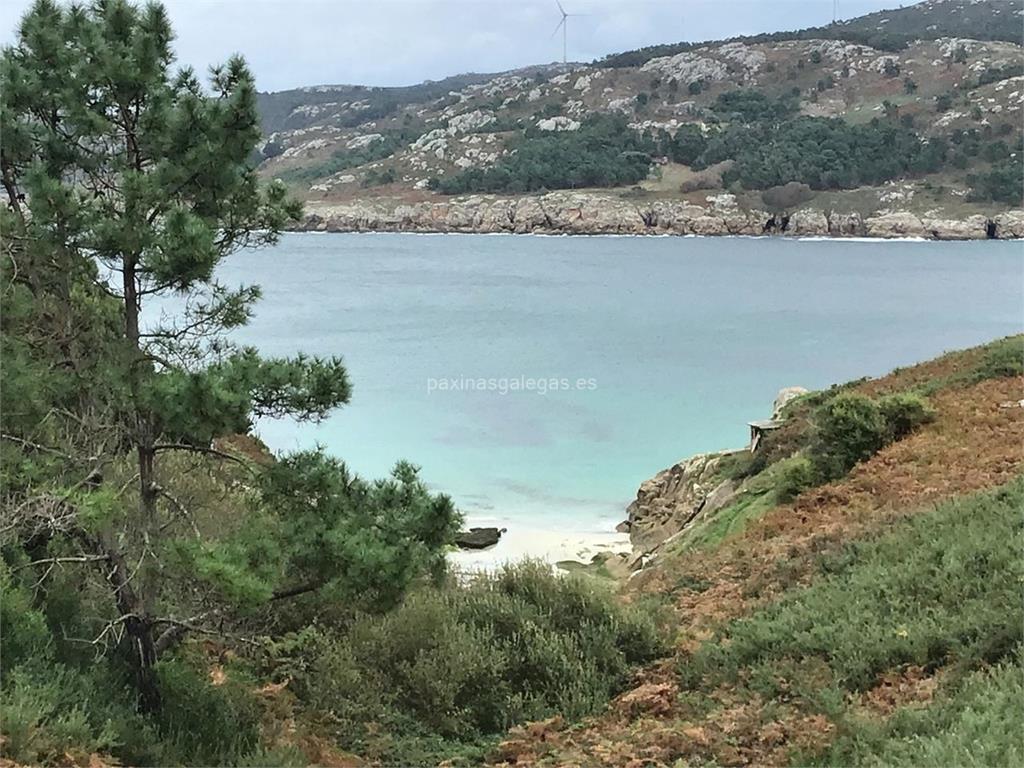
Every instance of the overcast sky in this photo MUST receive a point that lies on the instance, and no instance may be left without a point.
(292, 43)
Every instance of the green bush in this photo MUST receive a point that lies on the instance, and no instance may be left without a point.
(849, 429)
(1003, 358)
(903, 413)
(465, 663)
(204, 724)
(796, 477)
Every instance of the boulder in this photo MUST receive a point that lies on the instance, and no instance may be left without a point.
(898, 224)
(786, 394)
(845, 225)
(971, 228)
(807, 221)
(478, 538)
(1009, 225)
(671, 499)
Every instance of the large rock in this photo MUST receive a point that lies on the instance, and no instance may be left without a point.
(807, 221)
(898, 224)
(785, 396)
(845, 225)
(671, 499)
(478, 538)
(971, 228)
(1009, 225)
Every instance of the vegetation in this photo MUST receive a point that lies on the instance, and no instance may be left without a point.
(851, 428)
(1004, 183)
(940, 591)
(158, 567)
(749, 106)
(604, 152)
(343, 159)
(822, 153)
(453, 668)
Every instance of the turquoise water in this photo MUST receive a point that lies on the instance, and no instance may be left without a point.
(667, 347)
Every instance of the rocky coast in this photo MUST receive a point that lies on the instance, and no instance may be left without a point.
(578, 213)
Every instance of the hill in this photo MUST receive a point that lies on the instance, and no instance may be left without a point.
(887, 113)
(870, 619)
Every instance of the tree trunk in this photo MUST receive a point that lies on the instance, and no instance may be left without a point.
(137, 604)
(143, 656)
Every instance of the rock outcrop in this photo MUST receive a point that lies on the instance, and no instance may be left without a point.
(587, 213)
(667, 502)
(674, 499)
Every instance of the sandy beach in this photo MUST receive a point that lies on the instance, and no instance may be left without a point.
(550, 545)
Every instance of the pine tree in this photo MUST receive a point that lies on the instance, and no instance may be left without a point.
(129, 183)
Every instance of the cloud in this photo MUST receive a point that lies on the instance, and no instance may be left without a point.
(291, 43)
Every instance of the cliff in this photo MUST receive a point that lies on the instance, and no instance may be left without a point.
(579, 213)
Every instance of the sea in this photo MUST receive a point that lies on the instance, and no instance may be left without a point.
(539, 380)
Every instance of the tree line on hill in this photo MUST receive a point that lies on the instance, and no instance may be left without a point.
(769, 145)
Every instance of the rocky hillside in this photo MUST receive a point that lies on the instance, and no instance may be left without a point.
(846, 594)
(882, 125)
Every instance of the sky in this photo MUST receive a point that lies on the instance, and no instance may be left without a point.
(292, 43)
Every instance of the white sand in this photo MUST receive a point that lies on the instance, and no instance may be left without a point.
(552, 545)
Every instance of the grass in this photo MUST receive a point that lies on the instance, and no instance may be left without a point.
(761, 494)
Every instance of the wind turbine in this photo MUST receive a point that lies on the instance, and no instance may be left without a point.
(564, 26)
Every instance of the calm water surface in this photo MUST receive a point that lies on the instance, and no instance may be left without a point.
(668, 346)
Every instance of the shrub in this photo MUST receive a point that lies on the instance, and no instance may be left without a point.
(1003, 358)
(849, 429)
(205, 724)
(971, 726)
(796, 477)
(463, 663)
(903, 413)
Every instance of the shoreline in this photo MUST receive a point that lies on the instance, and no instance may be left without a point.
(540, 543)
(862, 238)
(653, 235)
(590, 214)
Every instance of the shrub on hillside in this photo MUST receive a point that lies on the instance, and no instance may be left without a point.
(849, 429)
(796, 477)
(461, 663)
(1003, 358)
(787, 196)
(942, 588)
(903, 413)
